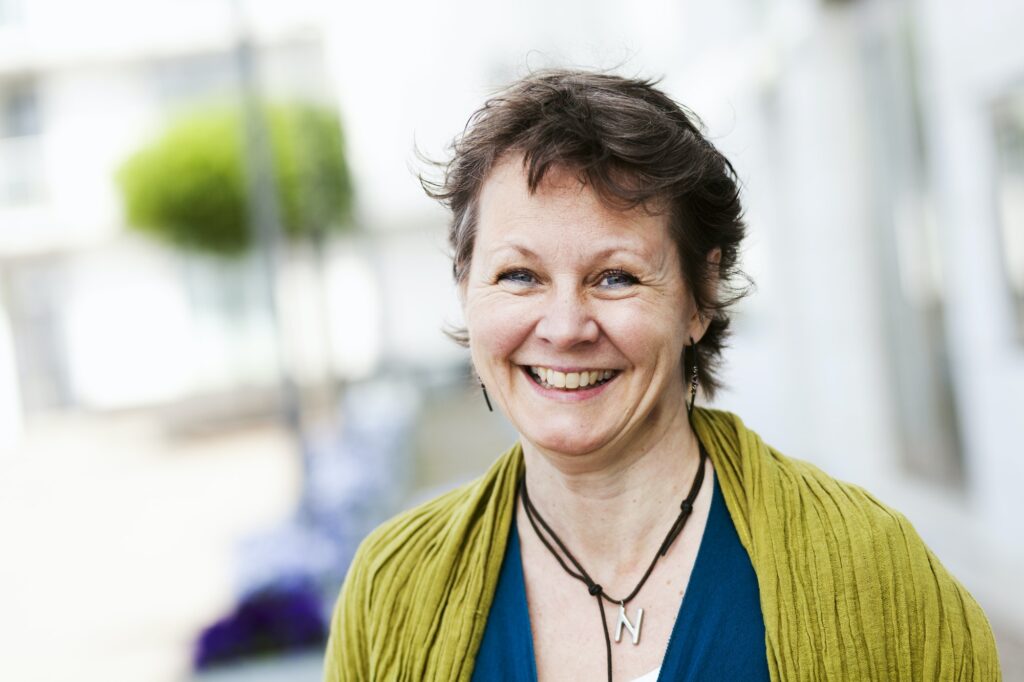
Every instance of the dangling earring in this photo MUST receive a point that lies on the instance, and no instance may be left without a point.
(487, 398)
(693, 377)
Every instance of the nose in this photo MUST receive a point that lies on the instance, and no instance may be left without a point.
(566, 320)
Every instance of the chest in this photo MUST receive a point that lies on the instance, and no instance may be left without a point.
(566, 623)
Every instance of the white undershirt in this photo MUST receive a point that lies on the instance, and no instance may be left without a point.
(648, 677)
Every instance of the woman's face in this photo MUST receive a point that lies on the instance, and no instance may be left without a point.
(577, 313)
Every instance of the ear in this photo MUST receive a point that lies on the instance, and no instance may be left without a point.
(699, 322)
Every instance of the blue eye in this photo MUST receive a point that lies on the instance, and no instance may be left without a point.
(517, 277)
(617, 279)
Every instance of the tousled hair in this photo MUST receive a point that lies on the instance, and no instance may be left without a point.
(636, 148)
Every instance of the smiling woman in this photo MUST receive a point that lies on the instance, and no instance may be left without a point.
(564, 283)
(595, 235)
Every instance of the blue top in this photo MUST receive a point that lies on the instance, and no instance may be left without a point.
(718, 634)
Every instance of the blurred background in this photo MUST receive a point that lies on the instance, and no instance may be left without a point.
(222, 291)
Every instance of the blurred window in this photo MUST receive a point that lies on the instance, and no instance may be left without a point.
(20, 114)
(910, 260)
(36, 292)
(187, 79)
(1009, 135)
(21, 168)
(288, 70)
(10, 12)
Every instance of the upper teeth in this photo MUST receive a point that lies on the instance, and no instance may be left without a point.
(553, 377)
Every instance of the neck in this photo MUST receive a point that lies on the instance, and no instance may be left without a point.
(613, 507)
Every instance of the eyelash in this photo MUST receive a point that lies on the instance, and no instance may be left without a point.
(630, 279)
(509, 274)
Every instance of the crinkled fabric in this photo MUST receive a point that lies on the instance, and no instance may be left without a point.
(849, 591)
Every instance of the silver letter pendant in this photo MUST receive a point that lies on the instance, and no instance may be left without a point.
(633, 629)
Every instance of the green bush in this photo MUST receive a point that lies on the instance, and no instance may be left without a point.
(188, 188)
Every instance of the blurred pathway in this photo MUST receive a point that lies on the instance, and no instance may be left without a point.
(116, 543)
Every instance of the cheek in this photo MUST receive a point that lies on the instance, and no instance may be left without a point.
(496, 330)
(643, 333)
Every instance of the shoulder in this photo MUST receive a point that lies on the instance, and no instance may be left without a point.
(851, 571)
(765, 488)
(871, 555)
(837, 519)
(404, 536)
(860, 512)
(411, 567)
(902, 589)
(376, 569)
(422, 532)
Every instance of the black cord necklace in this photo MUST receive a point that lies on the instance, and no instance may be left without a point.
(538, 523)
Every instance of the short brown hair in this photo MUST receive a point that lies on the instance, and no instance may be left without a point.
(635, 147)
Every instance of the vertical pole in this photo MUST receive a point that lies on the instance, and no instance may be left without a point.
(264, 215)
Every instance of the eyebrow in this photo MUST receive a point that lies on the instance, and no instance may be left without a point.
(513, 246)
(605, 253)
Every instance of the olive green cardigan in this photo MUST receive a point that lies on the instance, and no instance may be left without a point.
(848, 589)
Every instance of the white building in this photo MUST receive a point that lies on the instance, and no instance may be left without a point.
(98, 317)
(885, 340)
(881, 145)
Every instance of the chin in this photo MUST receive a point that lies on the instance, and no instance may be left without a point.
(562, 429)
(563, 443)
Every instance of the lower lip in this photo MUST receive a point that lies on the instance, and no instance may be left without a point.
(570, 396)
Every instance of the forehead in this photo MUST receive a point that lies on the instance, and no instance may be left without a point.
(563, 214)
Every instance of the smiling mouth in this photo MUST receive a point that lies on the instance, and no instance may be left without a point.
(570, 381)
